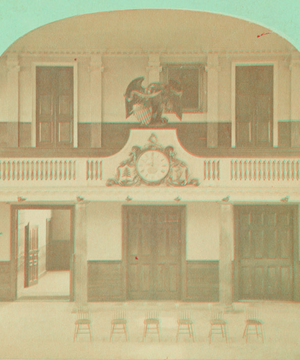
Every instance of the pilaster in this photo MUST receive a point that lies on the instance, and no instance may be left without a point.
(295, 101)
(226, 253)
(95, 69)
(81, 271)
(212, 69)
(13, 69)
(154, 68)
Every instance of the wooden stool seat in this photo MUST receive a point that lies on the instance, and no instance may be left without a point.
(184, 321)
(151, 321)
(218, 322)
(119, 321)
(254, 322)
(83, 321)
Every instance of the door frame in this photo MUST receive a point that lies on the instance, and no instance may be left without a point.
(295, 257)
(14, 242)
(183, 281)
(234, 64)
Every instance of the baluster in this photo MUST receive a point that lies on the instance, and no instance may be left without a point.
(250, 169)
(297, 170)
(13, 170)
(4, 170)
(0, 170)
(213, 169)
(240, 170)
(8, 170)
(218, 170)
(87, 169)
(65, 164)
(254, 170)
(74, 169)
(288, 169)
(60, 170)
(283, 170)
(231, 170)
(92, 169)
(269, 170)
(245, 170)
(293, 170)
(51, 170)
(236, 169)
(46, 174)
(264, 170)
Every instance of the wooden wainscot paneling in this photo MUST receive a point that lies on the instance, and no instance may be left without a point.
(5, 285)
(202, 281)
(105, 281)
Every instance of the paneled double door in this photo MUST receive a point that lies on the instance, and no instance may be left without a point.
(264, 251)
(153, 241)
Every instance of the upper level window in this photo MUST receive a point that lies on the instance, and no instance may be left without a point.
(193, 82)
(54, 106)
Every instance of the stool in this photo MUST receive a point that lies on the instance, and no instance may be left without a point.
(151, 324)
(185, 325)
(119, 324)
(83, 323)
(217, 323)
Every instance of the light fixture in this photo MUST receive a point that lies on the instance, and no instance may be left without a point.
(128, 198)
(79, 198)
(178, 199)
(20, 199)
(285, 199)
(226, 199)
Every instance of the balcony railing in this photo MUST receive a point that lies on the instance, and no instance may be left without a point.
(96, 171)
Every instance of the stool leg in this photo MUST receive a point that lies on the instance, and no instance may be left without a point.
(145, 331)
(125, 331)
(112, 331)
(90, 331)
(157, 328)
(226, 332)
(177, 336)
(192, 332)
(222, 330)
(245, 331)
(210, 334)
(262, 333)
(75, 332)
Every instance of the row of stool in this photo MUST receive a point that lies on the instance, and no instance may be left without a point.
(219, 325)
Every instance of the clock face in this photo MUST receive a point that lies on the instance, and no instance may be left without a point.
(153, 165)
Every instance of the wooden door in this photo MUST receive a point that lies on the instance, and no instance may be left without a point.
(254, 105)
(31, 256)
(153, 252)
(264, 250)
(54, 106)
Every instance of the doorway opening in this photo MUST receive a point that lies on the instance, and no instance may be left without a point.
(44, 253)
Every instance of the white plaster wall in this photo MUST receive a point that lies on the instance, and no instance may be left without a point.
(104, 230)
(4, 232)
(61, 224)
(203, 231)
(118, 73)
(3, 90)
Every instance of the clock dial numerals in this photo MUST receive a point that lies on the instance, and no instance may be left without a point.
(153, 165)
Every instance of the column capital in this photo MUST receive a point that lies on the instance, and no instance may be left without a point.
(212, 62)
(295, 62)
(154, 63)
(12, 62)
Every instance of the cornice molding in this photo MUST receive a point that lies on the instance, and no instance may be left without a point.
(139, 52)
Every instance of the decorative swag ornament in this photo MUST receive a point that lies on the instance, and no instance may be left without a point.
(152, 165)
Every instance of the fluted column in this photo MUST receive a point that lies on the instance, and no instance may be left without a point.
(212, 69)
(154, 68)
(226, 253)
(295, 101)
(13, 69)
(81, 271)
(95, 69)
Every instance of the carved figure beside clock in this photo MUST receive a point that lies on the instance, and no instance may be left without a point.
(152, 165)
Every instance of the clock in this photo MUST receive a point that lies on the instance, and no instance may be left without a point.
(153, 165)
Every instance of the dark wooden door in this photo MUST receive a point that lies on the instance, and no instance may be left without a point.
(264, 251)
(254, 105)
(153, 252)
(54, 106)
(31, 275)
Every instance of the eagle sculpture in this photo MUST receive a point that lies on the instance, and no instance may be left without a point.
(148, 104)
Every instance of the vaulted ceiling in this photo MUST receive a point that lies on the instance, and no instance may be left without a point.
(151, 30)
